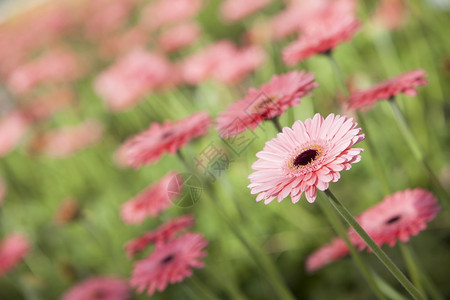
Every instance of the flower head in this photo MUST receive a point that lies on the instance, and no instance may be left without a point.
(270, 100)
(13, 249)
(160, 235)
(398, 217)
(151, 201)
(326, 254)
(148, 146)
(405, 83)
(99, 288)
(305, 158)
(169, 263)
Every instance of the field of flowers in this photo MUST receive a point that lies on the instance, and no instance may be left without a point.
(235, 149)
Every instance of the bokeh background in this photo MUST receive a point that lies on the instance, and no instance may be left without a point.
(40, 176)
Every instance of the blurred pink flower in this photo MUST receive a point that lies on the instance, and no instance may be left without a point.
(305, 158)
(148, 146)
(99, 288)
(121, 43)
(405, 83)
(162, 12)
(390, 14)
(13, 248)
(151, 201)
(239, 65)
(398, 217)
(13, 126)
(268, 101)
(55, 66)
(160, 235)
(169, 263)
(65, 141)
(326, 254)
(133, 76)
(179, 36)
(236, 10)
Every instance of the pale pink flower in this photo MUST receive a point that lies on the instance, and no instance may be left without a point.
(162, 12)
(151, 201)
(305, 158)
(398, 217)
(13, 127)
(179, 36)
(121, 43)
(132, 77)
(326, 254)
(148, 146)
(13, 248)
(160, 235)
(199, 66)
(236, 10)
(169, 263)
(405, 83)
(268, 101)
(65, 141)
(99, 288)
(390, 14)
(55, 66)
(242, 62)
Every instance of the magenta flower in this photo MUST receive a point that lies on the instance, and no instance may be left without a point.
(305, 158)
(13, 248)
(398, 217)
(169, 263)
(405, 83)
(99, 288)
(270, 100)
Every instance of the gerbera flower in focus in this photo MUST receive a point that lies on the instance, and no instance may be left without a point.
(405, 83)
(65, 141)
(169, 263)
(236, 10)
(270, 100)
(13, 126)
(398, 217)
(326, 254)
(305, 158)
(150, 202)
(133, 76)
(321, 39)
(178, 37)
(99, 288)
(160, 235)
(148, 146)
(13, 248)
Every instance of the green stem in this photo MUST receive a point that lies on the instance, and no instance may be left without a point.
(373, 246)
(341, 230)
(415, 147)
(202, 289)
(276, 123)
(413, 269)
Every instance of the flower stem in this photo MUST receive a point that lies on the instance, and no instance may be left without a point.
(373, 246)
(413, 269)
(340, 229)
(415, 147)
(202, 289)
(276, 123)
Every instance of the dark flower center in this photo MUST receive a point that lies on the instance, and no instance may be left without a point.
(167, 134)
(265, 103)
(167, 259)
(98, 294)
(305, 157)
(393, 220)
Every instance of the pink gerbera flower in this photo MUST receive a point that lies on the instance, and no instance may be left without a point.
(321, 39)
(13, 249)
(160, 235)
(398, 217)
(179, 36)
(170, 263)
(405, 83)
(270, 100)
(148, 146)
(99, 288)
(305, 158)
(326, 254)
(235, 10)
(150, 202)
